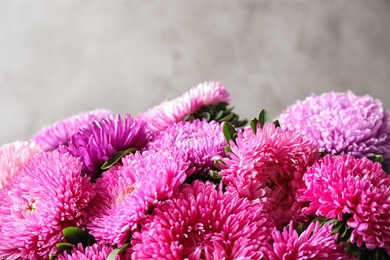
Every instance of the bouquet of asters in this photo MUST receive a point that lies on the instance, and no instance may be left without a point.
(189, 179)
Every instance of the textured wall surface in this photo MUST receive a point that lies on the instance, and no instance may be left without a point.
(59, 58)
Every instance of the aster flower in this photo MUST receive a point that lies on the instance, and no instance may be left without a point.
(199, 142)
(160, 117)
(126, 192)
(102, 139)
(51, 136)
(13, 156)
(95, 252)
(316, 242)
(200, 222)
(342, 123)
(268, 166)
(47, 195)
(356, 191)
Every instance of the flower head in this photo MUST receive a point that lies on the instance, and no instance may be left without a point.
(200, 222)
(316, 242)
(199, 142)
(95, 252)
(102, 139)
(342, 123)
(13, 156)
(47, 195)
(169, 112)
(268, 166)
(50, 137)
(339, 186)
(126, 193)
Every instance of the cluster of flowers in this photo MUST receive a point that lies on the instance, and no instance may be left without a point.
(188, 180)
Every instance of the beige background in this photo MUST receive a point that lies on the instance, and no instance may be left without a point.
(58, 58)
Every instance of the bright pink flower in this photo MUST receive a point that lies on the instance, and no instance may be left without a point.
(342, 185)
(169, 112)
(103, 138)
(51, 136)
(126, 193)
(47, 195)
(268, 166)
(199, 142)
(13, 156)
(200, 222)
(95, 252)
(315, 242)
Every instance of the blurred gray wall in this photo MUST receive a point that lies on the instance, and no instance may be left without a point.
(59, 58)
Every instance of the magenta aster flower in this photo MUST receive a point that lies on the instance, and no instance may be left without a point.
(199, 142)
(50, 137)
(339, 186)
(268, 166)
(103, 138)
(47, 195)
(95, 252)
(169, 112)
(125, 193)
(13, 156)
(342, 123)
(200, 222)
(315, 242)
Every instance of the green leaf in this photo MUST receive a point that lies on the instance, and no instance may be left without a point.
(263, 117)
(64, 247)
(227, 118)
(75, 235)
(377, 158)
(215, 175)
(52, 257)
(205, 115)
(116, 251)
(228, 149)
(276, 123)
(218, 116)
(116, 157)
(229, 132)
(253, 123)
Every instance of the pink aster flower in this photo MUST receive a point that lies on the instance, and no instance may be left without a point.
(315, 242)
(51, 136)
(103, 138)
(125, 193)
(268, 166)
(342, 123)
(339, 186)
(13, 156)
(95, 252)
(200, 222)
(169, 112)
(47, 195)
(199, 142)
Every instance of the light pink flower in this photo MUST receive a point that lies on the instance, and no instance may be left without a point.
(126, 193)
(13, 156)
(268, 166)
(199, 142)
(315, 242)
(200, 222)
(47, 195)
(339, 186)
(342, 123)
(169, 112)
(51, 136)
